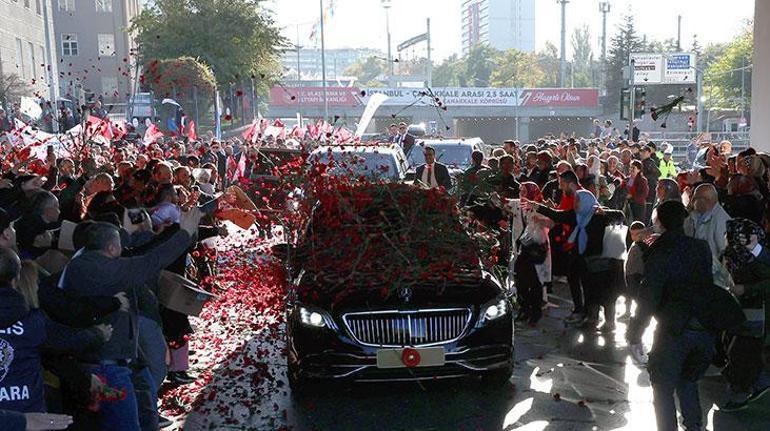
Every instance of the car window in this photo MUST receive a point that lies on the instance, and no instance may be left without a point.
(369, 164)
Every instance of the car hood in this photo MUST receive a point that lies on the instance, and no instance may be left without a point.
(316, 291)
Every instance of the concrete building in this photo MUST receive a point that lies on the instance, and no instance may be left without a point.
(503, 24)
(23, 43)
(94, 48)
(337, 60)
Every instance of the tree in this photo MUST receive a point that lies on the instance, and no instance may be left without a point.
(658, 47)
(479, 65)
(696, 46)
(180, 78)
(238, 39)
(516, 69)
(622, 44)
(550, 63)
(725, 76)
(11, 89)
(367, 69)
(450, 72)
(582, 58)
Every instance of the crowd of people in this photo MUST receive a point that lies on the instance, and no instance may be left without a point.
(616, 218)
(85, 341)
(90, 340)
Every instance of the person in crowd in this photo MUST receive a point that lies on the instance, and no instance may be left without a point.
(403, 138)
(588, 222)
(638, 190)
(667, 167)
(33, 230)
(743, 198)
(100, 270)
(433, 173)
(675, 269)
(747, 380)
(708, 220)
(533, 263)
(634, 265)
(651, 172)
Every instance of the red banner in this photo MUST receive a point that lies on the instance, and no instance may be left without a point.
(313, 96)
(560, 97)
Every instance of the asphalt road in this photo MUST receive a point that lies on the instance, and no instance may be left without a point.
(565, 379)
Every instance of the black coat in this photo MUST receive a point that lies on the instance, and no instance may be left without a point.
(676, 269)
(440, 171)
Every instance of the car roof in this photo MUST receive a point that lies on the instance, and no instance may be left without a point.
(388, 148)
(452, 141)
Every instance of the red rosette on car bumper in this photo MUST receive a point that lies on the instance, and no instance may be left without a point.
(410, 357)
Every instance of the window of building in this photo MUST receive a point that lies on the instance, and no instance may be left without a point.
(106, 44)
(67, 5)
(104, 5)
(20, 58)
(26, 4)
(69, 44)
(38, 7)
(109, 86)
(32, 63)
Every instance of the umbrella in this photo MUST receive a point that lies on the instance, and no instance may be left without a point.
(170, 102)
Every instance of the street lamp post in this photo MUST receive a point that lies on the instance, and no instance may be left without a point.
(386, 5)
(323, 63)
(563, 62)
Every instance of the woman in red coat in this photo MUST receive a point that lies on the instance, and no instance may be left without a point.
(638, 189)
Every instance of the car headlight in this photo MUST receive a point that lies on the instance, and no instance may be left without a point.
(494, 310)
(312, 318)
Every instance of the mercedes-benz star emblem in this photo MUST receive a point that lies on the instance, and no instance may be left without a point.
(405, 293)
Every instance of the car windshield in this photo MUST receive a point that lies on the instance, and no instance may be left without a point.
(361, 163)
(451, 155)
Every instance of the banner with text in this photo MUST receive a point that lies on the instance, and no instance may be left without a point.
(449, 96)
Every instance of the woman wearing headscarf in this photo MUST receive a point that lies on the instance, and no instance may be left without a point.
(745, 371)
(743, 198)
(588, 222)
(532, 258)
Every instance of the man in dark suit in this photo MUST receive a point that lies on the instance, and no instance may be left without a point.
(403, 138)
(433, 173)
(677, 270)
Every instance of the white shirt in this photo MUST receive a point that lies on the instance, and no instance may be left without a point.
(429, 175)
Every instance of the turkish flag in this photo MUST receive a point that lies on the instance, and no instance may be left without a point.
(191, 133)
(119, 129)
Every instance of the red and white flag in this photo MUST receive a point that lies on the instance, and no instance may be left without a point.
(248, 134)
(151, 134)
(119, 129)
(192, 134)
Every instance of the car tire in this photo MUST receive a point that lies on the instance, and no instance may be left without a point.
(498, 378)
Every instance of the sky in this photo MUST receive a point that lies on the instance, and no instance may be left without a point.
(361, 23)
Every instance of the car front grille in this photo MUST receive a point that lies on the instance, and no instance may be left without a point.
(407, 328)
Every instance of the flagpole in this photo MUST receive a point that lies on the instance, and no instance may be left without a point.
(323, 62)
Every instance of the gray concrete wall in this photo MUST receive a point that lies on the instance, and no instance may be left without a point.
(22, 22)
(85, 71)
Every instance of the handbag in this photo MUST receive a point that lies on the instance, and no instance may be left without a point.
(614, 242)
(533, 252)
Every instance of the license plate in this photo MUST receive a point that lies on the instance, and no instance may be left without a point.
(394, 358)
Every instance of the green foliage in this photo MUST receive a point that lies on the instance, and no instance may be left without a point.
(479, 65)
(180, 78)
(516, 69)
(367, 69)
(582, 58)
(449, 73)
(549, 62)
(724, 78)
(238, 39)
(622, 44)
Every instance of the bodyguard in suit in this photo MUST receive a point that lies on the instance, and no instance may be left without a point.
(433, 173)
(403, 138)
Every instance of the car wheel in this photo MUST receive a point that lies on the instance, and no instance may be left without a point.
(498, 378)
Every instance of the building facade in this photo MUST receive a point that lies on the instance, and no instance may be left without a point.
(94, 48)
(23, 43)
(503, 24)
(337, 60)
